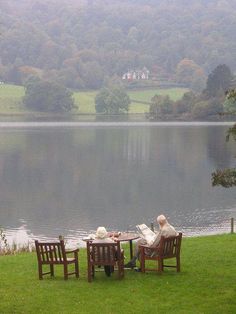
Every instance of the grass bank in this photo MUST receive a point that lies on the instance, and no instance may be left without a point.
(11, 100)
(206, 284)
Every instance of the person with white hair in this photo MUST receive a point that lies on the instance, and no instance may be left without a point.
(166, 230)
(102, 236)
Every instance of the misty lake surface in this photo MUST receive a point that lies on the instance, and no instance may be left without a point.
(68, 178)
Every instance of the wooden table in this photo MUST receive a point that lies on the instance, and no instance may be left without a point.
(123, 237)
(128, 237)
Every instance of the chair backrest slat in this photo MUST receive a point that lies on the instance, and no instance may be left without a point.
(170, 247)
(55, 250)
(50, 251)
(103, 253)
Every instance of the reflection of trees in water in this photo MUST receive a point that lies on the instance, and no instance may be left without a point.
(39, 179)
(137, 145)
(125, 143)
(81, 178)
(219, 151)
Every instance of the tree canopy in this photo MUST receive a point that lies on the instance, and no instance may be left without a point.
(207, 105)
(47, 96)
(230, 102)
(112, 99)
(227, 177)
(78, 42)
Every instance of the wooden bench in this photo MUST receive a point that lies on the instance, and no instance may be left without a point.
(168, 248)
(54, 253)
(104, 254)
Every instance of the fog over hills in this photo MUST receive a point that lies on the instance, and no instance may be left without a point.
(81, 43)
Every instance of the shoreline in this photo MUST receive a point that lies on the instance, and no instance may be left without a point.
(54, 124)
(22, 236)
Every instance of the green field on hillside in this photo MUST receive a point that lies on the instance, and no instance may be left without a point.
(11, 99)
(146, 96)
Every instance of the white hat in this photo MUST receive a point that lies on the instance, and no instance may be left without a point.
(101, 233)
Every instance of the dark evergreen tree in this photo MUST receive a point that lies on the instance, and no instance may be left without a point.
(218, 80)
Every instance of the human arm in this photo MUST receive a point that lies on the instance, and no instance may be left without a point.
(156, 240)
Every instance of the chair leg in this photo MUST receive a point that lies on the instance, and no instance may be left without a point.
(89, 273)
(178, 263)
(65, 271)
(77, 268)
(160, 265)
(40, 268)
(93, 271)
(142, 263)
(120, 270)
(52, 270)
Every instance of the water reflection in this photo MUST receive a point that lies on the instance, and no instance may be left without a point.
(68, 180)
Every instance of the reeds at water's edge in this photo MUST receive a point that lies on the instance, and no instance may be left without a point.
(7, 249)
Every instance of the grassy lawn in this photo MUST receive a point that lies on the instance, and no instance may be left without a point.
(11, 99)
(206, 284)
(85, 101)
(147, 94)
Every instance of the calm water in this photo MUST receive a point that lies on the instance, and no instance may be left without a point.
(68, 178)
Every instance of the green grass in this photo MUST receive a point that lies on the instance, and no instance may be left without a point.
(206, 284)
(85, 101)
(147, 94)
(11, 99)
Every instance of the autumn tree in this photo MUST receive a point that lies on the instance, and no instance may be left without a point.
(190, 74)
(107, 40)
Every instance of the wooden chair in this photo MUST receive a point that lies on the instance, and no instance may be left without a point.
(54, 253)
(167, 248)
(104, 254)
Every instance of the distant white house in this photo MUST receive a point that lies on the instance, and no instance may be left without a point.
(136, 74)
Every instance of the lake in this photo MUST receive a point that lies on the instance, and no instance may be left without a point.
(68, 178)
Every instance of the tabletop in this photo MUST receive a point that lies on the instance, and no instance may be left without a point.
(126, 236)
(121, 236)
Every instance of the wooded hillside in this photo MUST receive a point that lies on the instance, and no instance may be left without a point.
(82, 43)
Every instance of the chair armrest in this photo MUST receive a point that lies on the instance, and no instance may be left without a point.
(144, 246)
(151, 250)
(156, 248)
(72, 251)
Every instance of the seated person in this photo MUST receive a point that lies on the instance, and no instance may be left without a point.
(102, 236)
(166, 230)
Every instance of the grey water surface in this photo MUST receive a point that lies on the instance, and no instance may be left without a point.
(67, 178)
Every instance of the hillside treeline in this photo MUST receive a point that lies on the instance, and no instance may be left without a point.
(81, 44)
(215, 102)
